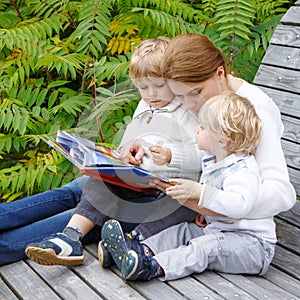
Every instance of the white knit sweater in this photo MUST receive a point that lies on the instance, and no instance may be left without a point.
(276, 193)
(173, 127)
(230, 187)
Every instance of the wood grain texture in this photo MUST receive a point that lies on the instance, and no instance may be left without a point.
(286, 35)
(278, 78)
(281, 56)
(292, 16)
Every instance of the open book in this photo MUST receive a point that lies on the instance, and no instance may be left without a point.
(101, 162)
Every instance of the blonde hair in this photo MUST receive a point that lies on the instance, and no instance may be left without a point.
(146, 58)
(232, 119)
(191, 58)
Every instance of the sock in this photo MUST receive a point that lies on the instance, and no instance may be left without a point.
(73, 232)
(147, 250)
(160, 271)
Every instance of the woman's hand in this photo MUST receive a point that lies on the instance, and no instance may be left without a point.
(132, 152)
(160, 155)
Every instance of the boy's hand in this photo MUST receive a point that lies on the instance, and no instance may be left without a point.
(132, 152)
(184, 190)
(161, 155)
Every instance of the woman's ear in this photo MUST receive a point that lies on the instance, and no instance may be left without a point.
(220, 72)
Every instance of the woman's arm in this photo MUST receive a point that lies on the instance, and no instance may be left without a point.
(276, 193)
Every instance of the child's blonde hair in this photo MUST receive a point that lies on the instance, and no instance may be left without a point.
(146, 58)
(232, 119)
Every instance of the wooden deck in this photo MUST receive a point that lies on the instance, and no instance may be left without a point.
(28, 280)
(279, 76)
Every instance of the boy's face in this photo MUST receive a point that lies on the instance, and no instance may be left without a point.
(202, 139)
(154, 91)
(208, 142)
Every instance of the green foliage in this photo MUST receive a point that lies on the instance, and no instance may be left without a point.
(64, 65)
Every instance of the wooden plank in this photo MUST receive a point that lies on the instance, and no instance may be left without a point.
(294, 179)
(281, 56)
(287, 262)
(288, 103)
(292, 16)
(257, 291)
(156, 290)
(291, 129)
(221, 286)
(283, 281)
(193, 289)
(25, 282)
(293, 215)
(282, 79)
(152, 290)
(286, 36)
(291, 152)
(105, 282)
(5, 292)
(64, 282)
(288, 236)
(279, 291)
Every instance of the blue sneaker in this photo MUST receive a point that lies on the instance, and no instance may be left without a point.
(117, 243)
(57, 249)
(138, 266)
(104, 257)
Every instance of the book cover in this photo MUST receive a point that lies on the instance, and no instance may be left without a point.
(102, 163)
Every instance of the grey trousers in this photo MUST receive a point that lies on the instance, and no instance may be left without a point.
(184, 249)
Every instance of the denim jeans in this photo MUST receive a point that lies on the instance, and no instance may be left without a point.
(34, 218)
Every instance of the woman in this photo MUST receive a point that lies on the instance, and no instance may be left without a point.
(195, 70)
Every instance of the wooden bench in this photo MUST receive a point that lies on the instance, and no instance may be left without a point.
(278, 76)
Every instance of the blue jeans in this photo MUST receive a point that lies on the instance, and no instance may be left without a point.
(34, 218)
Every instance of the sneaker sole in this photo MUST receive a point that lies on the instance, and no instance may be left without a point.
(115, 241)
(133, 256)
(48, 257)
(104, 260)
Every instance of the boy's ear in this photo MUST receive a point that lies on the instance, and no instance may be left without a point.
(224, 144)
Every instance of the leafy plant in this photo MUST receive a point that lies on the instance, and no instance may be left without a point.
(64, 65)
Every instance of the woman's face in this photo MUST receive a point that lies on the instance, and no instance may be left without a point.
(194, 94)
(155, 91)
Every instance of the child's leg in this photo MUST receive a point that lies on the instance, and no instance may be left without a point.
(62, 248)
(136, 266)
(66, 248)
(228, 252)
(133, 258)
(168, 213)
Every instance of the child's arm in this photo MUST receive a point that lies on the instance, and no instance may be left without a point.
(236, 199)
(187, 193)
